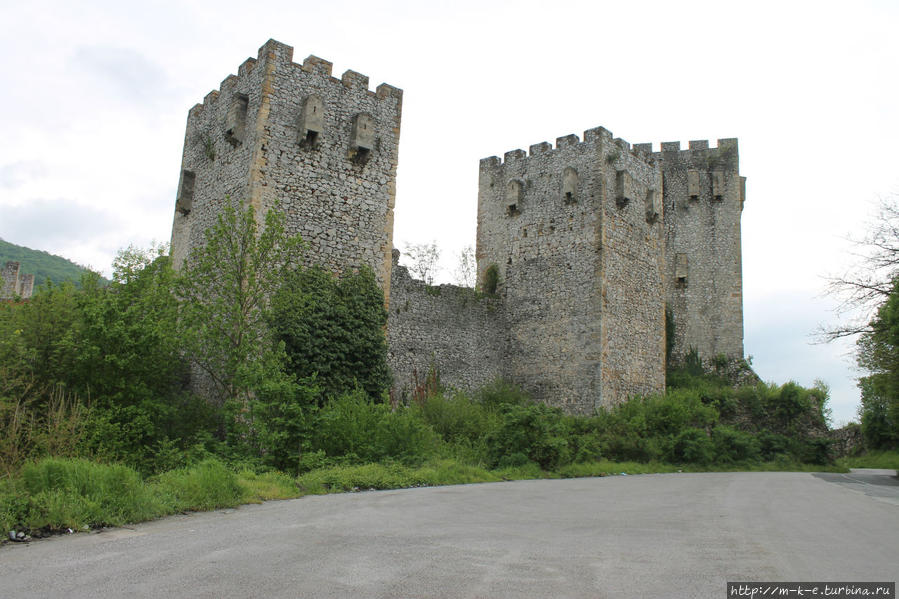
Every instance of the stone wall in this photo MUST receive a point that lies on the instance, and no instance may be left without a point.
(460, 332)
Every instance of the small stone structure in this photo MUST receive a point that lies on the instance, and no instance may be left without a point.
(15, 285)
(603, 249)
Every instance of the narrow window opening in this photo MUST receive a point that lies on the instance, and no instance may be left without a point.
(623, 185)
(513, 210)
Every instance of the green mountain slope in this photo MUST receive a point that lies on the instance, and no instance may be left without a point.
(41, 264)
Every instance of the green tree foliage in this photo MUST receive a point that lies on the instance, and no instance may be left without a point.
(224, 292)
(878, 353)
(333, 330)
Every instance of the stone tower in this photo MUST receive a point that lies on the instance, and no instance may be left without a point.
(703, 196)
(577, 233)
(324, 149)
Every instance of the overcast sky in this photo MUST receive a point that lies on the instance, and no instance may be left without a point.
(96, 94)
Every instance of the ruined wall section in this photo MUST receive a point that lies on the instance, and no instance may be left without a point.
(461, 333)
(703, 196)
(631, 298)
(9, 277)
(13, 283)
(324, 149)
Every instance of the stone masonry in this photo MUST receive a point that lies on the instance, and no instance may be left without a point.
(594, 240)
(14, 284)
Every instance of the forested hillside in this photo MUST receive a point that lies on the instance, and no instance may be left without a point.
(41, 264)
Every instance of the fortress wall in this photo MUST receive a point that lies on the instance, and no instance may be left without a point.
(452, 328)
(704, 195)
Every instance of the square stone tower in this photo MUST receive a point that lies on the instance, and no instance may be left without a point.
(577, 235)
(324, 149)
(703, 196)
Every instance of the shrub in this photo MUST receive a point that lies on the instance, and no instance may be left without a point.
(691, 445)
(734, 446)
(333, 329)
(501, 393)
(456, 417)
(530, 432)
(355, 427)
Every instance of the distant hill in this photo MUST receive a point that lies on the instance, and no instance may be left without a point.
(40, 264)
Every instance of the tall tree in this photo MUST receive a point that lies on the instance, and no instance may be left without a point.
(225, 288)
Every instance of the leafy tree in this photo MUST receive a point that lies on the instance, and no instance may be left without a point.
(224, 288)
(878, 353)
(333, 330)
(422, 260)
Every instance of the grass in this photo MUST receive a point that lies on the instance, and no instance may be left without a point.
(56, 494)
(873, 459)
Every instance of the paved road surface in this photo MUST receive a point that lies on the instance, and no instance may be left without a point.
(665, 535)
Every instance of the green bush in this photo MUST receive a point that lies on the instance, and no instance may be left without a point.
(353, 426)
(501, 393)
(691, 445)
(731, 445)
(529, 432)
(456, 417)
(333, 329)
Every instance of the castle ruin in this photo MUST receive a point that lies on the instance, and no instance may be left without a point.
(603, 249)
(15, 284)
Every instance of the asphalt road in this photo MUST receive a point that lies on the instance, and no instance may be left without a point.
(665, 535)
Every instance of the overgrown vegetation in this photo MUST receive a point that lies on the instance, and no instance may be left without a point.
(98, 427)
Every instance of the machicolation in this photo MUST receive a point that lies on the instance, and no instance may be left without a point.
(594, 240)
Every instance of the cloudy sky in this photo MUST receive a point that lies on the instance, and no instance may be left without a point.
(96, 94)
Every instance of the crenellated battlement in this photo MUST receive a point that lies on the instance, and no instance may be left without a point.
(698, 153)
(312, 65)
(591, 139)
